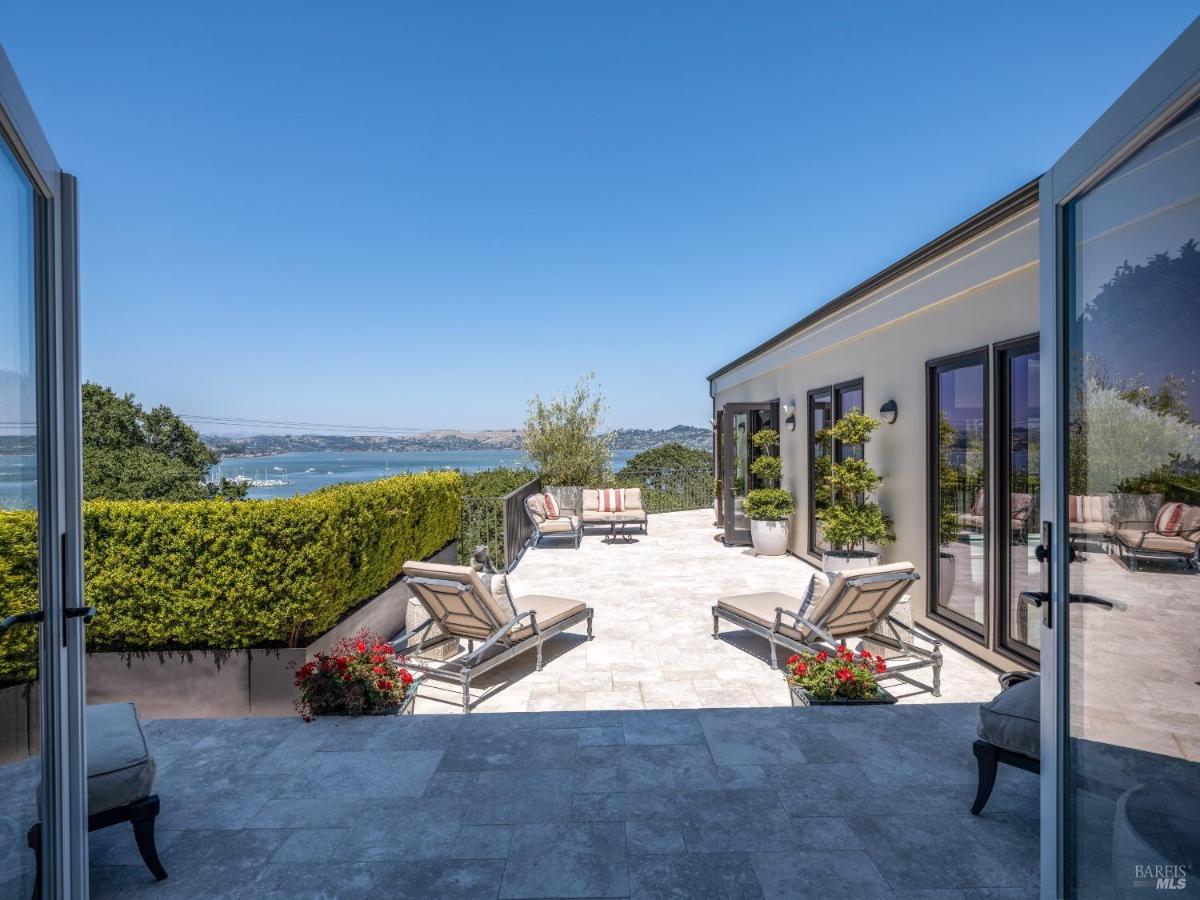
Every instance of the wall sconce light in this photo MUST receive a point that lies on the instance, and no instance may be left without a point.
(789, 414)
(887, 412)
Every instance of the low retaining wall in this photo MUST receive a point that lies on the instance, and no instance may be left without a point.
(202, 684)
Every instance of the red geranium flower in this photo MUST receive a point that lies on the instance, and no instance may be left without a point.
(406, 676)
(865, 653)
(844, 674)
(822, 656)
(880, 665)
(385, 685)
(802, 668)
(360, 647)
(793, 659)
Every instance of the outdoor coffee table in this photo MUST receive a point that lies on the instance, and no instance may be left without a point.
(625, 536)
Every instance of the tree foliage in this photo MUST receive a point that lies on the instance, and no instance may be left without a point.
(133, 454)
(670, 455)
(562, 435)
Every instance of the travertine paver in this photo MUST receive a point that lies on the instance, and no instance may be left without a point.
(653, 647)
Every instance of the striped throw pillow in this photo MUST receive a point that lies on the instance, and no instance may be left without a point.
(1169, 518)
(612, 500)
(551, 506)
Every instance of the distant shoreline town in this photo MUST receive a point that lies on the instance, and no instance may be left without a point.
(624, 439)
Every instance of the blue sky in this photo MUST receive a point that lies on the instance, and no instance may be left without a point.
(420, 215)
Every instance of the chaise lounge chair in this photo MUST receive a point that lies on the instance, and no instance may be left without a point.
(855, 605)
(462, 607)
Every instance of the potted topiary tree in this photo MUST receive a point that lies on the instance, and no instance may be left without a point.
(770, 508)
(852, 520)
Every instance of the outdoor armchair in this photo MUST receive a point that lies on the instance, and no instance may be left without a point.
(463, 607)
(857, 605)
(567, 524)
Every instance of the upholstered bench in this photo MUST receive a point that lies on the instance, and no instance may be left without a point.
(120, 778)
(1009, 732)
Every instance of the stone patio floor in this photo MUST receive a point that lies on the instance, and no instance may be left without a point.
(650, 762)
(767, 802)
(653, 647)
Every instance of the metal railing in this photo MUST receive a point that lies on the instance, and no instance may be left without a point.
(671, 490)
(499, 523)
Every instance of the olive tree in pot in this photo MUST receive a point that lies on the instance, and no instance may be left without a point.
(852, 520)
(769, 508)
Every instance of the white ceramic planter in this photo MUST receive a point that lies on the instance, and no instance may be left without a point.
(849, 560)
(945, 578)
(769, 538)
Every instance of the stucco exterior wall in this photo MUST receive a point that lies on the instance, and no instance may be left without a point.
(979, 294)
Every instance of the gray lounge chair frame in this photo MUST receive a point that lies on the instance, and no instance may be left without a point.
(475, 620)
(821, 639)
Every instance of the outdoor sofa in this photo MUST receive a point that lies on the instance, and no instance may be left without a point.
(465, 608)
(1172, 535)
(614, 507)
(1090, 519)
(855, 605)
(1021, 506)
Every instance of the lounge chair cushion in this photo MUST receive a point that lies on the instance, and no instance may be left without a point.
(1012, 719)
(561, 525)
(498, 585)
(760, 609)
(549, 611)
(120, 768)
(1161, 543)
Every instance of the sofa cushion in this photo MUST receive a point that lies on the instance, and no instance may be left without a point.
(537, 507)
(591, 500)
(561, 525)
(633, 499)
(1161, 543)
(550, 505)
(1169, 519)
(592, 517)
(1012, 720)
(120, 768)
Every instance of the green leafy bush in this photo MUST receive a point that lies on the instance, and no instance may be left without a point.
(767, 468)
(770, 504)
(765, 438)
(495, 482)
(217, 575)
(563, 437)
(671, 455)
(852, 520)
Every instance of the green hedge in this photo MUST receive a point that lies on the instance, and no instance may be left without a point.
(214, 574)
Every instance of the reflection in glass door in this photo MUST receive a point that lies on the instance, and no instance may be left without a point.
(1132, 439)
(1020, 445)
(19, 731)
(958, 499)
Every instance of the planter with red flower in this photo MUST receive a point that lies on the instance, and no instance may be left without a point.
(361, 676)
(843, 678)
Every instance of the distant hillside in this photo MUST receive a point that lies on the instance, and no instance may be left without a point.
(635, 439)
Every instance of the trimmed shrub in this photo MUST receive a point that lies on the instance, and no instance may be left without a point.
(217, 575)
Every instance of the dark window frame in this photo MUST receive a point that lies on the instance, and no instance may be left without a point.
(1002, 356)
(975, 631)
(834, 391)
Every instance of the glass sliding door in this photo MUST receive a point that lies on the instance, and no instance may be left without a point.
(825, 407)
(959, 507)
(20, 739)
(1019, 439)
(41, 640)
(739, 423)
(1129, 736)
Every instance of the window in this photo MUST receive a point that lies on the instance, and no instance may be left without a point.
(958, 511)
(825, 407)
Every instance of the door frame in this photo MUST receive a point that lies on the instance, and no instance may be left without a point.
(727, 414)
(59, 492)
(1168, 87)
